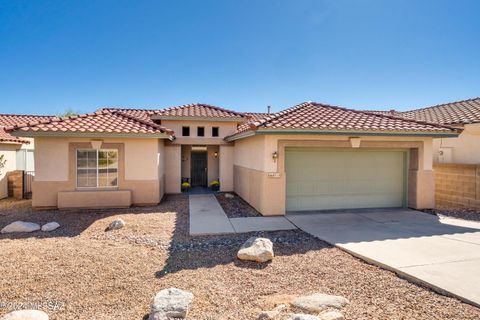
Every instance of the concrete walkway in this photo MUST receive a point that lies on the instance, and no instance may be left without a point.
(207, 218)
(441, 254)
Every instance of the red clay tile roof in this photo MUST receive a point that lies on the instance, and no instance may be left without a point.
(393, 113)
(16, 119)
(104, 121)
(199, 110)
(459, 112)
(141, 114)
(316, 116)
(8, 138)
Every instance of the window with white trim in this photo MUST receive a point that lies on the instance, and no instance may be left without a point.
(97, 168)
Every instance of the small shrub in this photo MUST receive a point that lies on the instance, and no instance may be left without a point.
(186, 186)
(3, 161)
(215, 185)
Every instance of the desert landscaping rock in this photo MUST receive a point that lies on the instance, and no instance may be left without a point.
(256, 249)
(50, 226)
(268, 315)
(331, 315)
(301, 316)
(319, 301)
(170, 303)
(116, 224)
(229, 196)
(25, 315)
(20, 226)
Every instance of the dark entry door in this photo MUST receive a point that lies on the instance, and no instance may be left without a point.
(199, 169)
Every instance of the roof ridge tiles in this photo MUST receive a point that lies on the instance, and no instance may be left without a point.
(159, 111)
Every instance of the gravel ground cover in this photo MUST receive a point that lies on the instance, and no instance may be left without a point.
(464, 214)
(236, 207)
(93, 274)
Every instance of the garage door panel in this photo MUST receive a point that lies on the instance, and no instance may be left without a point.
(325, 179)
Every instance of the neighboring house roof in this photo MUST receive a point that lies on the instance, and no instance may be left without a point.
(6, 137)
(198, 110)
(14, 119)
(312, 116)
(104, 121)
(459, 112)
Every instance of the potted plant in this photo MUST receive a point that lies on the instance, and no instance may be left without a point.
(215, 185)
(185, 186)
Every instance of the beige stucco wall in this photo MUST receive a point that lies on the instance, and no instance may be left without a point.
(8, 151)
(138, 168)
(161, 167)
(212, 162)
(464, 150)
(253, 161)
(173, 168)
(186, 160)
(225, 129)
(226, 158)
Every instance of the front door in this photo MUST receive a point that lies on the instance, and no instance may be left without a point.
(199, 169)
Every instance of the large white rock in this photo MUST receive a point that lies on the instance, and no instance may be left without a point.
(319, 301)
(25, 315)
(20, 226)
(256, 249)
(331, 315)
(301, 316)
(116, 224)
(47, 227)
(170, 303)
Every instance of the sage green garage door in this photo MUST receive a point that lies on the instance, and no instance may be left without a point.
(319, 179)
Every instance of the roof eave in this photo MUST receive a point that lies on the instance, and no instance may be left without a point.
(33, 134)
(341, 132)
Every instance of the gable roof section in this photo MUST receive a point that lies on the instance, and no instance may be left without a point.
(312, 117)
(198, 110)
(104, 122)
(7, 120)
(459, 112)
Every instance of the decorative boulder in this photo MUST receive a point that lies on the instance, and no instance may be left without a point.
(25, 315)
(170, 303)
(319, 301)
(50, 226)
(301, 316)
(256, 249)
(116, 224)
(229, 196)
(20, 226)
(331, 315)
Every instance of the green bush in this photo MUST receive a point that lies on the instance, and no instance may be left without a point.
(185, 186)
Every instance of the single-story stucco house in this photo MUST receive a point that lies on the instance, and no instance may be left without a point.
(17, 152)
(308, 157)
(465, 114)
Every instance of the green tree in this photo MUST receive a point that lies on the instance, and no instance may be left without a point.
(68, 112)
(3, 161)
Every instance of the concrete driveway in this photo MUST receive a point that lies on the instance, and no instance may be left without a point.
(443, 254)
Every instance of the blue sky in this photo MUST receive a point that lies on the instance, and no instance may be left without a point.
(237, 54)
